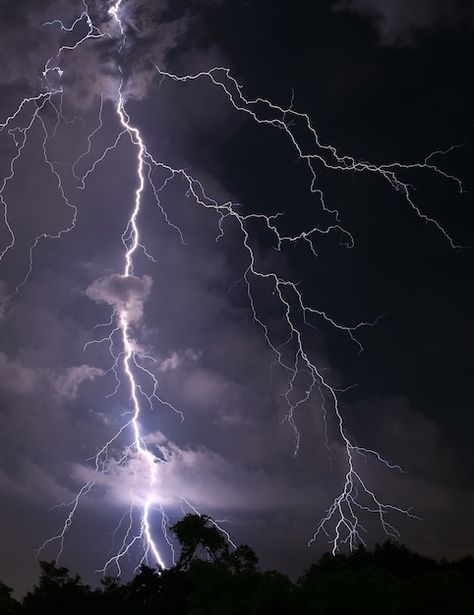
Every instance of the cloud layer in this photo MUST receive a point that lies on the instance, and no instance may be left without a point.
(398, 21)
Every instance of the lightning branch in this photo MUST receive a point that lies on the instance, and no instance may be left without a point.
(342, 524)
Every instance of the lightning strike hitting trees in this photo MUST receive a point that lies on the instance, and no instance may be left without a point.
(342, 523)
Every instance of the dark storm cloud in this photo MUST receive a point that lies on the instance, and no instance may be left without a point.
(398, 21)
(434, 484)
(153, 31)
(27, 44)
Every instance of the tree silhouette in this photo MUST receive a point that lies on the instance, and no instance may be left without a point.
(57, 592)
(211, 578)
(196, 532)
(8, 605)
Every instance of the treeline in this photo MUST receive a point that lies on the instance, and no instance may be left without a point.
(212, 579)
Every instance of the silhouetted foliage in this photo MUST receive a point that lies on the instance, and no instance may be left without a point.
(195, 532)
(211, 578)
(8, 605)
(389, 579)
(57, 592)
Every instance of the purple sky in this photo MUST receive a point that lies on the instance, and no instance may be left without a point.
(232, 456)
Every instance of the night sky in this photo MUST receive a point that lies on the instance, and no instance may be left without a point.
(383, 81)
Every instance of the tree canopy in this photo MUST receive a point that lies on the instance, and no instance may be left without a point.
(212, 578)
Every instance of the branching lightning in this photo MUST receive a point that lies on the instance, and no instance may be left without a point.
(341, 524)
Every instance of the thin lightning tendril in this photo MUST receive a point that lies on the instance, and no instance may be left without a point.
(341, 523)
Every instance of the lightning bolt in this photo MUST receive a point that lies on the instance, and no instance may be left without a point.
(341, 524)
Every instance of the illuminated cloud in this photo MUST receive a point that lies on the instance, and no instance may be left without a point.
(198, 475)
(30, 35)
(67, 384)
(122, 293)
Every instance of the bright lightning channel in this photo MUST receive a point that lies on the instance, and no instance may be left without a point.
(131, 237)
(341, 524)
